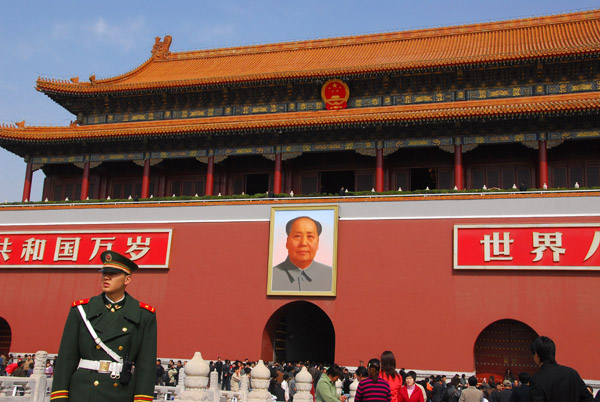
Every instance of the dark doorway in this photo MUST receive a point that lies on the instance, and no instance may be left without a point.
(5, 337)
(421, 178)
(299, 331)
(331, 182)
(504, 344)
(257, 183)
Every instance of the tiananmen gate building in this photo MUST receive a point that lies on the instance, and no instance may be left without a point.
(193, 163)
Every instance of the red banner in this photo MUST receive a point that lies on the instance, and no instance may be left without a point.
(545, 246)
(148, 248)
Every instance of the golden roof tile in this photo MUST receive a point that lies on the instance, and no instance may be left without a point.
(539, 37)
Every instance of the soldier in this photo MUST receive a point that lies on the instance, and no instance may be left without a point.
(108, 348)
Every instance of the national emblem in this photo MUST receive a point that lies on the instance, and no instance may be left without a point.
(335, 94)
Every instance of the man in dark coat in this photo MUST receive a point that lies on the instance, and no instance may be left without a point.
(100, 369)
(522, 393)
(553, 382)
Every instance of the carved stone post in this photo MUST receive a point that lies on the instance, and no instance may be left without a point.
(260, 383)
(39, 392)
(244, 388)
(245, 383)
(353, 387)
(214, 385)
(303, 386)
(338, 387)
(196, 381)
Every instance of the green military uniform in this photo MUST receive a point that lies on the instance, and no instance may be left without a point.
(128, 328)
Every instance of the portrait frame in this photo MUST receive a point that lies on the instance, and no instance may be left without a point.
(325, 257)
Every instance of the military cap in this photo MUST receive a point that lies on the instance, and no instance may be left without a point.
(116, 263)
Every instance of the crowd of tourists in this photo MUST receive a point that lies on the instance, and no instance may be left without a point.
(22, 366)
(379, 381)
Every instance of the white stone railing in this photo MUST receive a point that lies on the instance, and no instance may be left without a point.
(17, 388)
(27, 389)
(164, 393)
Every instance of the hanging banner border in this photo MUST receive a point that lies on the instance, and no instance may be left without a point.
(149, 248)
(551, 247)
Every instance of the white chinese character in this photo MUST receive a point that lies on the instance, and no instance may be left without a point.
(593, 246)
(4, 250)
(33, 248)
(99, 244)
(544, 241)
(66, 249)
(500, 248)
(137, 247)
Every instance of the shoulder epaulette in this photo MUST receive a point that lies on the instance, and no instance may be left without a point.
(148, 307)
(80, 302)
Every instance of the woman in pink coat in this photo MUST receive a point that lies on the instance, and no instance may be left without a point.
(411, 392)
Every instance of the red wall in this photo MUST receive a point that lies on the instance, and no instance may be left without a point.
(396, 290)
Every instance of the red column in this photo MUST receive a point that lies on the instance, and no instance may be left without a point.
(543, 163)
(458, 167)
(28, 180)
(210, 176)
(277, 175)
(146, 179)
(379, 171)
(85, 181)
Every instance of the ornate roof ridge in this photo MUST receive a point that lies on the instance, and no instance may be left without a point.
(161, 52)
(419, 33)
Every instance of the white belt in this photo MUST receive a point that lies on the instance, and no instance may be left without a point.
(101, 366)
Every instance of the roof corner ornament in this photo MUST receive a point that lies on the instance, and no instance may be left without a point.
(93, 78)
(20, 124)
(75, 80)
(74, 123)
(160, 50)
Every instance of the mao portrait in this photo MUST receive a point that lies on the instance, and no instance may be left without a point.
(302, 251)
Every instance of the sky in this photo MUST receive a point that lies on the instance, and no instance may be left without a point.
(63, 39)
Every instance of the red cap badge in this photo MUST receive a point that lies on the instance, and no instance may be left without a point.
(335, 94)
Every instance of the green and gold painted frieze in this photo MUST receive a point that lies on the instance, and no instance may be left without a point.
(324, 147)
(499, 139)
(362, 102)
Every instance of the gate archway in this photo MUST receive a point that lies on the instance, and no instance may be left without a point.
(299, 331)
(5, 337)
(504, 344)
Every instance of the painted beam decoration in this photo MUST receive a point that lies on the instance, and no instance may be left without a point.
(335, 94)
(149, 248)
(551, 247)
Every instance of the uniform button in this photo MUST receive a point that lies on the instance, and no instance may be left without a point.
(96, 383)
(116, 384)
(124, 329)
(98, 346)
(120, 347)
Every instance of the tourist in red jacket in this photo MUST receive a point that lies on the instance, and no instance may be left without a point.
(411, 392)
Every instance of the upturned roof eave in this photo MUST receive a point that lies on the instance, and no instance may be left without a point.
(422, 113)
(57, 88)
